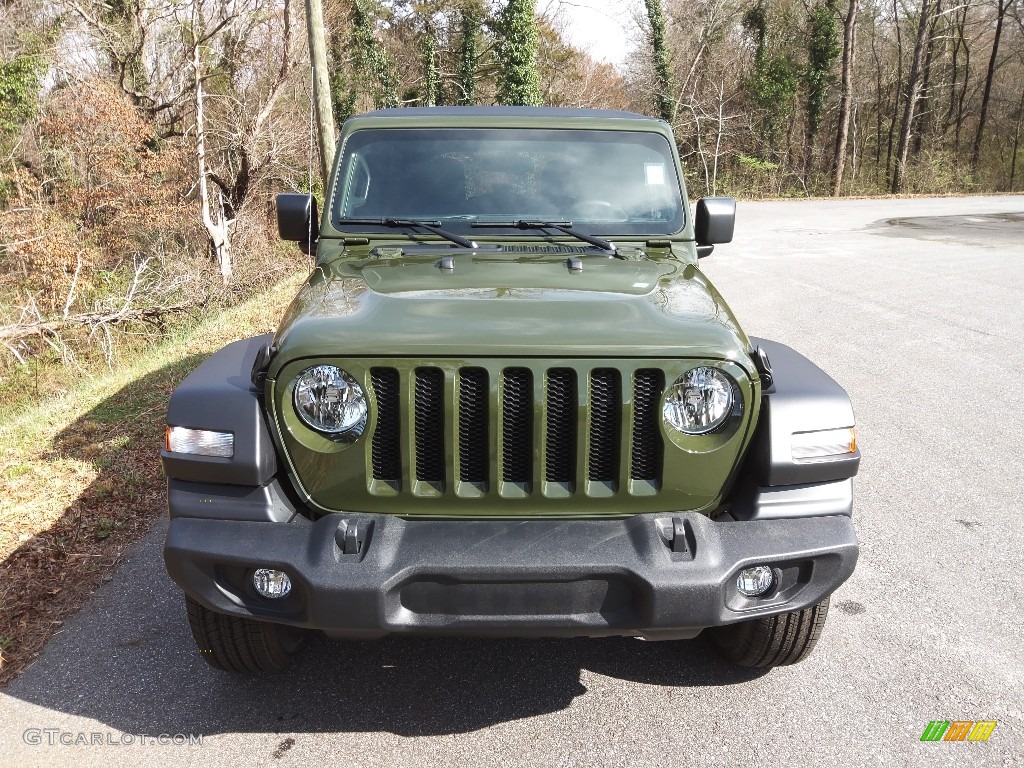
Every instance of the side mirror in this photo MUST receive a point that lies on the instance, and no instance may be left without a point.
(297, 218)
(714, 223)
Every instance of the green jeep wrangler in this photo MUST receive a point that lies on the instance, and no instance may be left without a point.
(507, 402)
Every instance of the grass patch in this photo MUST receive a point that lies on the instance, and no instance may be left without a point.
(80, 477)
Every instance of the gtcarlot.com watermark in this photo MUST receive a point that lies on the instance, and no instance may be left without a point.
(51, 737)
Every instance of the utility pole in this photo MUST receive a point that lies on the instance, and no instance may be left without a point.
(321, 87)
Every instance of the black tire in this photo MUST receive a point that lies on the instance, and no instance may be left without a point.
(773, 641)
(241, 645)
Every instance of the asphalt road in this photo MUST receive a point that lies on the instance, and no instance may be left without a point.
(917, 308)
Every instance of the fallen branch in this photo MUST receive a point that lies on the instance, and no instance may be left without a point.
(52, 327)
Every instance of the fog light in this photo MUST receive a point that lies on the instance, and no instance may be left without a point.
(271, 583)
(755, 581)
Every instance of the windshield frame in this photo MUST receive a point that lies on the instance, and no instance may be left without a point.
(673, 189)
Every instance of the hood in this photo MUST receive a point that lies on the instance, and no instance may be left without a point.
(494, 306)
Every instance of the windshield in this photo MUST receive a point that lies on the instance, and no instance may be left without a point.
(603, 182)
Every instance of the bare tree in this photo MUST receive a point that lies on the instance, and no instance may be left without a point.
(217, 221)
(1001, 14)
(846, 97)
(142, 302)
(957, 84)
(912, 95)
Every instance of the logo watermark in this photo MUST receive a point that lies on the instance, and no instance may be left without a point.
(51, 737)
(958, 730)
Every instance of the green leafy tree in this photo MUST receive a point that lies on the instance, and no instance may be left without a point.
(344, 93)
(19, 91)
(663, 99)
(774, 80)
(469, 29)
(24, 62)
(518, 81)
(823, 48)
(374, 70)
(431, 72)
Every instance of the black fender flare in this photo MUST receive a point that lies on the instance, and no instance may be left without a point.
(219, 395)
(802, 398)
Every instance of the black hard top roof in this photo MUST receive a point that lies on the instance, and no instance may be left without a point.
(561, 112)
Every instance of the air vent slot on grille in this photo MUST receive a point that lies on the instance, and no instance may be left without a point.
(385, 448)
(516, 426)
(646, 447)
(429, 420)
(560, 425)
(474, 443)
(605, 425)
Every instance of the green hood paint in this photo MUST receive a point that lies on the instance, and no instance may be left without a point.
(382, 300)
(495, 306)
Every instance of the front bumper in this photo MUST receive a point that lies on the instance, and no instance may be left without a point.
(658, 576)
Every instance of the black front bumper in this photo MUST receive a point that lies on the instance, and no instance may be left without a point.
(655, 575)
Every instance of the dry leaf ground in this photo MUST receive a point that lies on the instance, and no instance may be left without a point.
(80, 477)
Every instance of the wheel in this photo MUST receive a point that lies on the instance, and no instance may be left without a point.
(241, 645)
(772, 641)
(598, 209)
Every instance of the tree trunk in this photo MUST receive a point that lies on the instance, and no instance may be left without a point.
(469, 22)
(846, 98)
(1016, 141)
(663, 70)
(518, 79)
(953, 114)
(878, 100)
(896, 90)
(217, 229)
(321, 87)
(976, 154)
(911, 96)
(921, 122)
(718, 138)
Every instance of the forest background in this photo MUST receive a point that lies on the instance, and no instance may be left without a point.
(142, 141)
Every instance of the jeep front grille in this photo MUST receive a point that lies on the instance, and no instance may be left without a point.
(429, 422)
(474, 438)
(560, 457)
(603, 448)
(387, 459)
(645, 457)
(516, 430)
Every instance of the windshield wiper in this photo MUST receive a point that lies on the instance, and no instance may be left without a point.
(430, 226)
(561, 226)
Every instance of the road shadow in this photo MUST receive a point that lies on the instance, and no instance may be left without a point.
(129, 661)
(976, 229)
(55, 567)
(127, 658)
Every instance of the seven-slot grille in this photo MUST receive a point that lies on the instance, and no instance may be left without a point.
(526, 430)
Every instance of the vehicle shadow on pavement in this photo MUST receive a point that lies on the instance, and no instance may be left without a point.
(75, 504)
(128, 661)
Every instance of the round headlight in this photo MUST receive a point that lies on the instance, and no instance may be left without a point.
(699, 401)
(329, 400)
